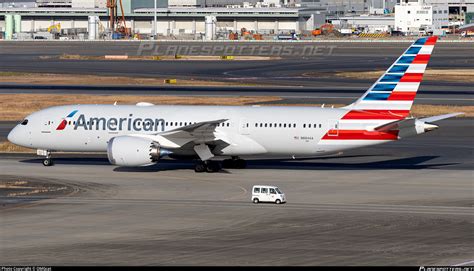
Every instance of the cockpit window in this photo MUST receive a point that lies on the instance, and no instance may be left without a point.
(24, 122)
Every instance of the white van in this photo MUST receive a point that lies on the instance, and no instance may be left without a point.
(267, 193)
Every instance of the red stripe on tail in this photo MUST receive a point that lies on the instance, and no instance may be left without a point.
(412, 77)
(421, 59)
(402, 96)
(431, 40)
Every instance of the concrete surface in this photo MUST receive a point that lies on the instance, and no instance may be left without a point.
(403, 203)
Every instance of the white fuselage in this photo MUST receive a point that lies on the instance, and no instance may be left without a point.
(254, 130)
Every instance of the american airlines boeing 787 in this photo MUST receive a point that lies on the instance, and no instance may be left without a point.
(139, 135)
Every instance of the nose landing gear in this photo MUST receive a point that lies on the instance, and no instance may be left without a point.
(48, 161)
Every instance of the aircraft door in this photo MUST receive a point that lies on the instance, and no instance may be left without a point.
(244, 127)
(333, 127)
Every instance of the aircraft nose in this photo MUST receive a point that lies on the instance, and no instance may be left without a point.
(14, 136)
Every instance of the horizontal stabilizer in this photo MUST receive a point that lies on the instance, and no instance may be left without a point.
(441, 117)
(396, 125)
(400, 124)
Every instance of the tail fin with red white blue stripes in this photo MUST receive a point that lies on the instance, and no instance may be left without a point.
(396, 89)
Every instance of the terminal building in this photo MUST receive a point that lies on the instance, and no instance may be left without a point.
(188, 17)
(172, 21)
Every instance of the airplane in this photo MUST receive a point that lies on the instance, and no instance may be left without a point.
(142, 134)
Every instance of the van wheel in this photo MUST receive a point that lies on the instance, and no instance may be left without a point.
(277, 201)
(255, 200)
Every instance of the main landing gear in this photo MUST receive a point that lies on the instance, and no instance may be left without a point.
(207, 166)
(235, 162)
(215, 166)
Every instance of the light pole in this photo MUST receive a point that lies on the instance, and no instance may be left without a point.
(155, 30)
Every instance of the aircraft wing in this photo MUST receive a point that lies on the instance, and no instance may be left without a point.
(196, 129)
(200, 133)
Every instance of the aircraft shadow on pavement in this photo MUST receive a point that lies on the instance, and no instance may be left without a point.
(320, 163)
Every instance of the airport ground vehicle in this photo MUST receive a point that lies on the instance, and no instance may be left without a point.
(267, 193)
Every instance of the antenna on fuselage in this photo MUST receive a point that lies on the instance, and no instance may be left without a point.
(115, 103)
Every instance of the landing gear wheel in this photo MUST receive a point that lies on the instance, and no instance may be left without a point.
(234, 163)
(47, 162)
(227, 163)
(240, 163)
(255, 200)
(200, 167)
(212, 166)
(277, 201)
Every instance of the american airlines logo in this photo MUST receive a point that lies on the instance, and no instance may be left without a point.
(119, 124)
(63, 123)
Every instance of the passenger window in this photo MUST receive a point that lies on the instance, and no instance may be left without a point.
(319, 125)
(294, 125)
(24, 122)
(284, 125)
(256, 190)
(270, 125)
(261, 124)
(279, 125)
(272, 191)
(264, 190)
(304, 126)
(266, 125)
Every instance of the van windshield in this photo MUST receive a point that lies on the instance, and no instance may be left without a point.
(278, 191)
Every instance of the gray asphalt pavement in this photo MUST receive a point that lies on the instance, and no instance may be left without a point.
(403, 203)
(302, 78)
(290, 95)
(5, 128)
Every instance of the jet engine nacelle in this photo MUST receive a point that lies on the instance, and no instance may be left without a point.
(133, 151)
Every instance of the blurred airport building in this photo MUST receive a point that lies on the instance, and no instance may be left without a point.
(229, 19)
